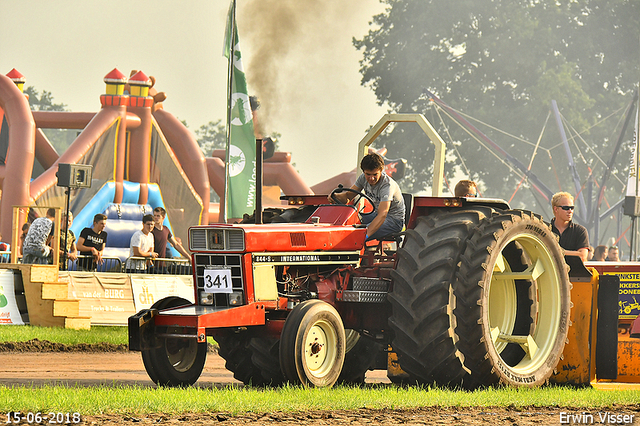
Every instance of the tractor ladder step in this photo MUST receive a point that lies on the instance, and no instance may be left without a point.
(366, 290)
(370, 284)
(364, 296)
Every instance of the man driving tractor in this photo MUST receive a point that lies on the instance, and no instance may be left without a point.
(388, 215)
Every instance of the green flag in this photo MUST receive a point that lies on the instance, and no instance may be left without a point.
(241, 142)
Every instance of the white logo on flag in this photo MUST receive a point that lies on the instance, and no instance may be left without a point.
(241, 109)
(237, 160)
(237, 60)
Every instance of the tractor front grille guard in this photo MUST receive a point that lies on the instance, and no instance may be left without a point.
(231, 262)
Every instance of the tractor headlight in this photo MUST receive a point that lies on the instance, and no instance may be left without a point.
(206, 298)
(235, 298)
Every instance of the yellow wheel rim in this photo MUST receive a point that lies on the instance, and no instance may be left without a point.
(502, 304)
(320, 348)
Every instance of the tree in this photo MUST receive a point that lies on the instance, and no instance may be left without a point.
(211, 136)
(502, 62)
(42, 101)
(61, 139)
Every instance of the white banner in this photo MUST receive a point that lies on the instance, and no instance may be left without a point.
(148, 289)
(9, 313)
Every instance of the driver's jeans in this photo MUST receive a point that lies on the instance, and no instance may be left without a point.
(389, 226)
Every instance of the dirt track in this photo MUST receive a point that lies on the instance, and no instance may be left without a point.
(126, 368)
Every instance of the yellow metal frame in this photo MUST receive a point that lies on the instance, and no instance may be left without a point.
(420, 120)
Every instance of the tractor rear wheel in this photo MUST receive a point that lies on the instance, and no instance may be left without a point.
(423, 300)
(360, 353)
(177, 361)
(265, 356)
(312, 345)
(252, 360)
(512, 317)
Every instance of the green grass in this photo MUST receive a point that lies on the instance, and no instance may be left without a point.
(235, 400)
(97, 334)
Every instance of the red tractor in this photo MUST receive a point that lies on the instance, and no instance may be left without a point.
(473, 294)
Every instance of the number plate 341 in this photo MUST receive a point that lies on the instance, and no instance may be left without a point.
(217, 281)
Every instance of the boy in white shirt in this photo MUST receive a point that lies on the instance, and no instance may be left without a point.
(142, 245)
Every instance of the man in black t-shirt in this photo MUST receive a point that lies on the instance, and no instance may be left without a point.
(92, 242)
(574, 238)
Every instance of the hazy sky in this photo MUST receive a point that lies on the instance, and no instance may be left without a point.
(298, 56)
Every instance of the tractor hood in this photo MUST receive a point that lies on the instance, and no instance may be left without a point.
(276, 238)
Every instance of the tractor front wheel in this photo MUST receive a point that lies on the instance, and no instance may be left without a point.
(312, 345)
(177, 361)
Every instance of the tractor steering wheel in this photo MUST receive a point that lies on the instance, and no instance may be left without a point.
(359, 196)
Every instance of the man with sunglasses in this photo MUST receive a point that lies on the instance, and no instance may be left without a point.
(574, 238)
(466, 188)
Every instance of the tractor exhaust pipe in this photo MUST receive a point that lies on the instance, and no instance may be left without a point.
(259, 157)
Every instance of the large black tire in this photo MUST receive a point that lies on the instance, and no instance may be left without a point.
(265, 355)
(361, 352)
(254, 361)
(422, 298)
(234, 349)
(178, 361)
(167, 302)
(312, 345)
(500, 308)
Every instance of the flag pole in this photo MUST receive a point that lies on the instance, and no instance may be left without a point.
(232, 46)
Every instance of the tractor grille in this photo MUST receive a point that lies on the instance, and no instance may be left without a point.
(198, 239)
(216, 239)
(298, 239)
(215, 261)
(234, 240)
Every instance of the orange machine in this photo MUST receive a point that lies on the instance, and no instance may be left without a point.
(600, 350)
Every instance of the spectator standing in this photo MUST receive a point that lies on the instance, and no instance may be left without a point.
(574, 238)
(466, 188)
(3, 246)
(92, 242)
(613, 255)
(142, 245)
(36, 244)
(23, 235)
(72, 251)
(600, 254)
(5, 257)
(162, 235)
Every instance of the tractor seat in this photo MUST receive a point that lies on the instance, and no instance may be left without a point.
(398, 237)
